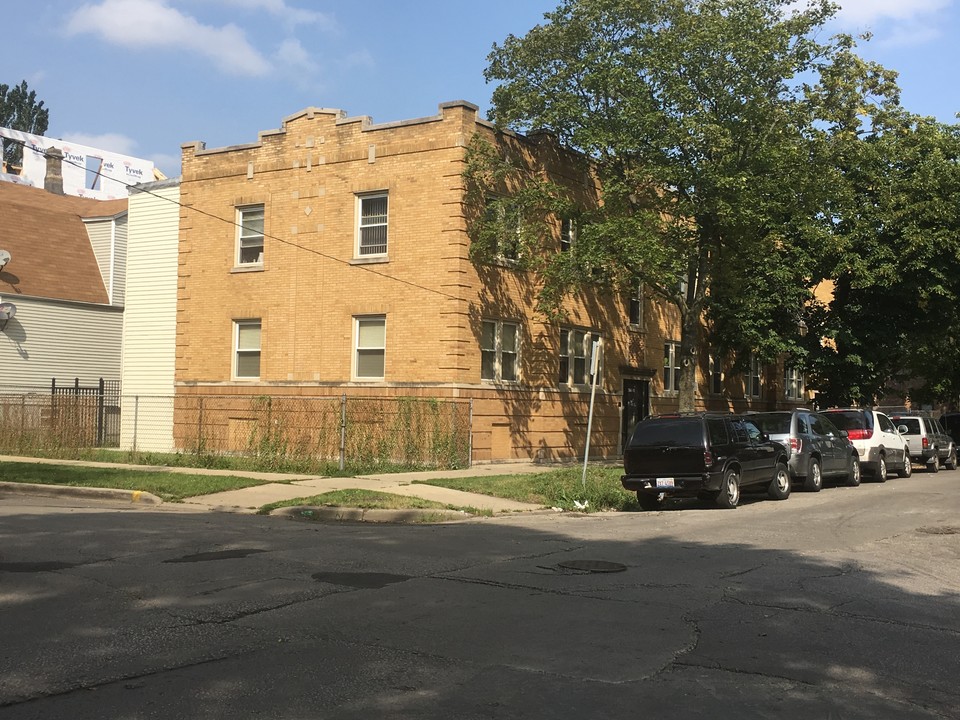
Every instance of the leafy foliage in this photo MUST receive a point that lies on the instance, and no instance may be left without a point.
(20, 110)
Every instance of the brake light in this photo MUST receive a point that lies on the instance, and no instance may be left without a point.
(926, 443)
(707, 458)
(860, 434)
(795, 445)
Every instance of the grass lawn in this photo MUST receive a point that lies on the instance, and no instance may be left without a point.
(170, 486)
(554, 488)
(368, 499)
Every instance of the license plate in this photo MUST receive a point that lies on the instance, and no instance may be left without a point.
(665, 482)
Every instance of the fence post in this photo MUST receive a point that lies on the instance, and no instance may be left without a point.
(100, 415)
(136, 419)
(199, 423)
(470, 436)
(343, 431)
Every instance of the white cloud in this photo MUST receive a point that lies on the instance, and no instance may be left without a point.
(113, 142)
(861, 12)
(291, 15)
(292, 54)
(154, 24)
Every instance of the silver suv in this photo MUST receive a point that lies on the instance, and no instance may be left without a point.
(816, 447)
(880, 446)
(929, 444)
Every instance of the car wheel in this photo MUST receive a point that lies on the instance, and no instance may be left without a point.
(779, 487)
(881, 475)
(951, 461)
(729, 495)
(908, 466)
(934, 466)
(853, 475)
(814, 480)
(651, 501)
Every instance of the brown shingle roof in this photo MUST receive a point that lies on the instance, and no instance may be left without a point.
(51, 251)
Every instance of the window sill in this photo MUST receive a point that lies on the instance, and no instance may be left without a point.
(246, 268)
(372, 260)
(637, 328)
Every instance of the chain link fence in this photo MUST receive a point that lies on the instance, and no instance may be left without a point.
(282, 433)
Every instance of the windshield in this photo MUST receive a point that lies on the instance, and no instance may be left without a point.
(670, 432)
(771, 423)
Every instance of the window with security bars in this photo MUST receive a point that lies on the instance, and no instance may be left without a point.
(246, 343)
(372, 229)
(500, 351)
(250, 235)
(576, 355)
(371, 347)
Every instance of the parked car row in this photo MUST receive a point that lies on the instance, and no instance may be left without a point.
(714, 455)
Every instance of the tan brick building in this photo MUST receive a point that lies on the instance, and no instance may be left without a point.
(332, 256)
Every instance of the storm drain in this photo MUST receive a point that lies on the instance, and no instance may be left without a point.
(940, 530)
(593, 566)
(361, 580)
(217, 555)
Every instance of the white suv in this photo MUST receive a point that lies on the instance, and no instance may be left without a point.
(880, 446)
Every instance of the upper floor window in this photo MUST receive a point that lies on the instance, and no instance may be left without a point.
(716, 375)
(246, 349)
(568, 234)
(370, 336)
(504, 220)
(500, 351)
(250, 235)
(576, 355)
(793, 384)
(636, 309)
(372, 224)
(671, 366)
(753, 378)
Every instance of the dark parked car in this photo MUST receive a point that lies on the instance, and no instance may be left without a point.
(816, 447)
(951, 423)
(706, 455)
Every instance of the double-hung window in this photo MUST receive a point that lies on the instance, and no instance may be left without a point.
(576, 355)
(372, 224)
(716, 374)
(635, 311)
(250, 235)
(671, 366)
(246, 349)
(568, 234)
(500, 351)
(370, 336)
(753, 378)
(793, 384)
(503, 218)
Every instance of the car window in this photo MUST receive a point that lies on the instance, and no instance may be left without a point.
(717, 432)
(671, 432)
(816, 425)
(885, 424)
(803, 425)
(850, 420)
(913, 425)
(828, 427)
(772, 423)
(739, 432)
(937, 428)
(753, 432)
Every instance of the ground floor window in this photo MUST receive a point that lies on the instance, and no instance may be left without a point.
(370, 335)
(500, 351)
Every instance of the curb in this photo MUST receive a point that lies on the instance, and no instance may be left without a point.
(138, 497)
(314, 513)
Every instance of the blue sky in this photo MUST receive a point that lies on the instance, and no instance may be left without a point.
(141, 77)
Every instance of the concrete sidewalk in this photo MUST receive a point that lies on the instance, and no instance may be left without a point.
(288, 486)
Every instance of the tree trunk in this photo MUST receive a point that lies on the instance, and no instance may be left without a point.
(689, 342)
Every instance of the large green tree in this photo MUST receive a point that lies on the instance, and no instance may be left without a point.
(706, 123)
(20, 110)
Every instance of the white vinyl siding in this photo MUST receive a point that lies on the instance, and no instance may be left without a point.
(108, 238)
(150, 319)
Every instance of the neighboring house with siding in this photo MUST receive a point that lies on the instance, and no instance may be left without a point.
(332, 257)
(150, 317)
(66, 277)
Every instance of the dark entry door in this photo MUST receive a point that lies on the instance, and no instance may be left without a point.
(636, 406)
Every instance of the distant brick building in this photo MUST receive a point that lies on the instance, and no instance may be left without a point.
(332, 257)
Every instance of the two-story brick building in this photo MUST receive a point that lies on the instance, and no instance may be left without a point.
(332, 257)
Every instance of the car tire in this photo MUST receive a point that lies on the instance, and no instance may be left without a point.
(907, 470)
(814, 480)
(881, 475)
(729, 495)
(779, 487)
(853, 474)
(951, 462)
(651, 501)
(934, 466)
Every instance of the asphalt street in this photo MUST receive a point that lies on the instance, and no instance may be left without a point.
(840, 604)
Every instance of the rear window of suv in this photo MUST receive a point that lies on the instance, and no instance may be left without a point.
(849, 419)
(670, 432)
(771, 423)
(913, 424)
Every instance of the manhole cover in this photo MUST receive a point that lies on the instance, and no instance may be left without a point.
(940, 530)
(594, 566)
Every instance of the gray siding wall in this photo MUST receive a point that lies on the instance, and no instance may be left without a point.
(50, 338)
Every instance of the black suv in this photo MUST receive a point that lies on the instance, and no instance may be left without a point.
(706, 455)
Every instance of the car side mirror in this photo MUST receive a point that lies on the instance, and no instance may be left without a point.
(764, 437)
(844, 434)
